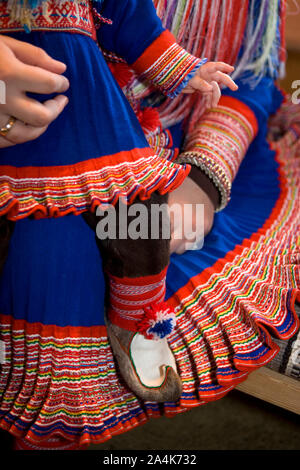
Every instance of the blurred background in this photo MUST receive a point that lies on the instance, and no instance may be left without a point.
(293, 44)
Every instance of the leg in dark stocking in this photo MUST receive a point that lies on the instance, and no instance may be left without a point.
(139, 320)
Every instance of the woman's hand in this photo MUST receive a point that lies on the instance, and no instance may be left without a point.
(189, 193)
(26, 68)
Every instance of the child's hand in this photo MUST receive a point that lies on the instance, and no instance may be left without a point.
(207, 81)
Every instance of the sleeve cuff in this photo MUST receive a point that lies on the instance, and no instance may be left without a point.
(167, 65)
(219, 143)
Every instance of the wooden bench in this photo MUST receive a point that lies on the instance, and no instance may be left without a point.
(274, 388)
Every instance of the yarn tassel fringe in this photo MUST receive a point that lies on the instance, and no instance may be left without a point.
(245, 33)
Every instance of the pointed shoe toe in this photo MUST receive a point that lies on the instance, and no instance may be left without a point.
(147, 366)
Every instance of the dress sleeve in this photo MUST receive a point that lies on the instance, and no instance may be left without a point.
(137, 35)
(218, 144)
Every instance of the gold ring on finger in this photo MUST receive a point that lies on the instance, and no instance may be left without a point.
(5, 129)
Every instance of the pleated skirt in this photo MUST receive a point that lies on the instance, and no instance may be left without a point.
(58, 375)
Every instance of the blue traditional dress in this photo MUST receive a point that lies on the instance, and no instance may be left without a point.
(83, 160)
(58, 375)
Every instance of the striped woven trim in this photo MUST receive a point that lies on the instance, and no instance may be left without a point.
(219, 143)
(130, 296)
(287, 360)
(161, 139)
(57, 191)
(65, 384)
(167, 65)
(255, 286)
(72, 16)
(161, 142)
(51, 444)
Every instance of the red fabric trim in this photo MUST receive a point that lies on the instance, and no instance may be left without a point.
(54, 443)
(128, 325)
(122, 73)
(61, 16)
(116, 302)
(85, 438)
(154, 51)
(242, 108)
(123, 311)
(77, 168)
(140, 281)
(53, 330)
(136, 179)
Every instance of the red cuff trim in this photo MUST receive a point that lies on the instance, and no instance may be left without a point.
(139, 281)
(242, 108)
(167, 65)
(154, 51)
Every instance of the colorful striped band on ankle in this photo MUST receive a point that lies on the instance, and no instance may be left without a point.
(137, 304)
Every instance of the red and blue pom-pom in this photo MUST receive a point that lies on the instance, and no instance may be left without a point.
(158, 322)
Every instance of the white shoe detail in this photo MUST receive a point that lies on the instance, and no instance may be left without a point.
(150, 359)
